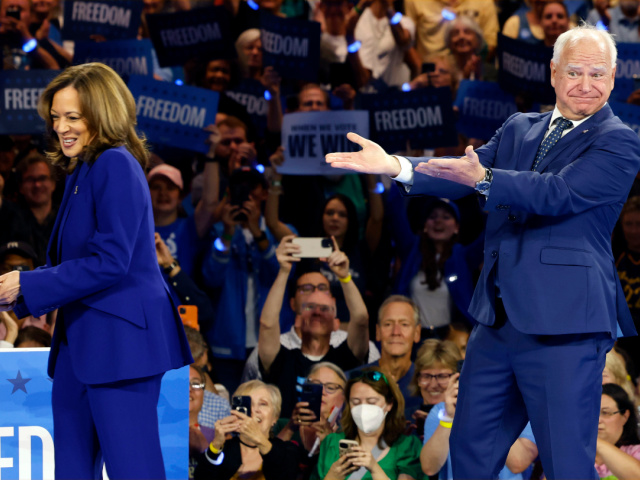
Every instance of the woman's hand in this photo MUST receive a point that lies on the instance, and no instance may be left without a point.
(451, 396)
(251, 432)
(162, 252)
(338, 261)
(302, 416)
(9, 290)
(284, 254)
(223, 427)
(341, 469)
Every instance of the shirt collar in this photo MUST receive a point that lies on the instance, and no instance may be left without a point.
(556, 114)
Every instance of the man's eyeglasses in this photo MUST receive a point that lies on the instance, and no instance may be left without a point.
(441, 378)
(310, 288)
(196, 385)
(228, 141)
(40, 179)
(372, 375)
(310, 307)
(329, 387)
(608, 414)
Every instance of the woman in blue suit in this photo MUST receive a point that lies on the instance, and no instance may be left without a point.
(117, 330)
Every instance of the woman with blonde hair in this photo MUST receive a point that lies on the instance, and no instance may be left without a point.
(615, 372)
(117, 330)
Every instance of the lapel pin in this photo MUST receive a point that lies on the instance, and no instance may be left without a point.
(76, 190)
(585, 131)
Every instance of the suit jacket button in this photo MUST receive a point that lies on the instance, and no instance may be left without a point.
(494, 254)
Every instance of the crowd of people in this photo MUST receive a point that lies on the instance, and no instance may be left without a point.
(381, 322)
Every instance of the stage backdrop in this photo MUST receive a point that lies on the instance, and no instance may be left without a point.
(26, 425)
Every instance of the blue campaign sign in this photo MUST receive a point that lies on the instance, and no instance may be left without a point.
(524, 67)
(250, 93)
(180, 36)
(174, 115)
(20, 92)
(26, 423)
(629, 114)
(627, 67)
(291, 46)
(483, 107)
(423, 116)
(126, 57)
(112, 19)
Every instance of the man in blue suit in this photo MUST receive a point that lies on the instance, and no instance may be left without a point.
(549, 302)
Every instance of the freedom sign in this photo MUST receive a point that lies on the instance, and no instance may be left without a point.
(126, 57)
(174, 115)
(483, 108)
(26, 423)
(308, 136)
(20, 90)
(629, 114)
(524, 67)
(424, 117)
(114, 20)
(291, 46)
(180, 36)
(627, 68)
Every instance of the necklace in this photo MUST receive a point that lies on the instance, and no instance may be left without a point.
(249, 446)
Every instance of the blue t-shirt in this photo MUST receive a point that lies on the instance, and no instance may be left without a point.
(432, 422)
(183, 242)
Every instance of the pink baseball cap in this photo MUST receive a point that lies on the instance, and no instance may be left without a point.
(172, 173)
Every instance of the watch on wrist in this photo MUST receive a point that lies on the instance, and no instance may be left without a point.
(485, 184)
(170, 268)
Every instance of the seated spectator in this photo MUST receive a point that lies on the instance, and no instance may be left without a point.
(384, 42)
(524, 25)
(397, 330)
(17, 255)
(435, 457)
(253, 451)
(618, 445)
(20, 49)
(624, 21)
(308, 279)
(240, 267)
(184, 235)
(463, 38)
(436, 362)
(303, 427)
(33, 337)
(554, 21)
(616, 372)
(373, 417)
(284, 367)
(200, 436)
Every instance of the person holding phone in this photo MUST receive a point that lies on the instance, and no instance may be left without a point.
(374, 418)
(243, 446)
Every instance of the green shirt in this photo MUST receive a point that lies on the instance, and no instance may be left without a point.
(403, 457)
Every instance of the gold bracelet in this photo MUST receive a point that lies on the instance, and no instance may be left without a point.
(346, 279)
(445, 424)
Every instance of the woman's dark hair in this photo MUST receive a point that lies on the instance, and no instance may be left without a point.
(33, 334)
(353, 227)
(394, 422)
(623, 402)
(432, 264)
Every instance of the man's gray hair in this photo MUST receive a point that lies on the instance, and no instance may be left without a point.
(585, 30)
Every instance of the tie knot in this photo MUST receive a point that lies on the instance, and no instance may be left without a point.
(562, 123)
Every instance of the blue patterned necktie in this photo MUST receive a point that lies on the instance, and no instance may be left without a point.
(547, 144)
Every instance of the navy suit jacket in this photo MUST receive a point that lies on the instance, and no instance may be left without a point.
(548, 235)
(102, 273)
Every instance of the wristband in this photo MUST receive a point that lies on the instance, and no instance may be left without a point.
(346, 279)
(170, 268)
(214, 449)
(446, 424)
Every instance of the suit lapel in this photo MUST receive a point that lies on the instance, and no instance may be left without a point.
(531, 142)
(72, 189)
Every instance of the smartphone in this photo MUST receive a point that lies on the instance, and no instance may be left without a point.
(339, 74)
(313, 247)
(242, 404)
(14, 11)
(312, 393)
(345, 446)
(189, 315)
(428, 67)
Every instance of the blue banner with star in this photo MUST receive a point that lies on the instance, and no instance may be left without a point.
(174, 115)
(627, 69)
(20, 91)
(111, 19)
(291, 46)
(423, 117)
(26, 424)
(126, 57)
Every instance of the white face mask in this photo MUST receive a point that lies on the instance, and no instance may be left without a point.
(368, 417)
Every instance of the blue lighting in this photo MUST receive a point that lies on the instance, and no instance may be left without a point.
(601, 26)
(448, 14)
(354, 47)
(179, 82)
(30, 45)
(260, 168)
(219, 245)
(406, 87)
(267, 95)
(253, 4)
(379, 188)
(396, 18)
